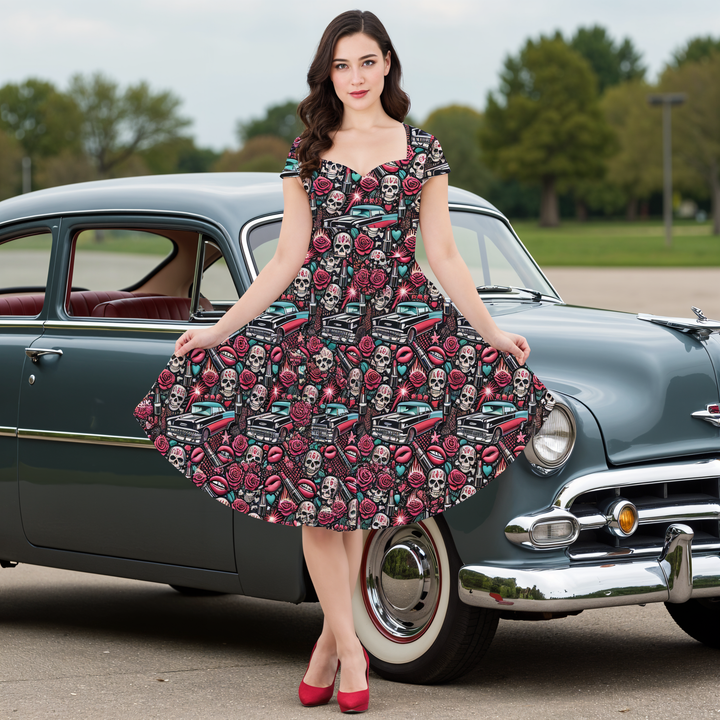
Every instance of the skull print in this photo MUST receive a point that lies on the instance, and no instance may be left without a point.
(334, 203)
(177, 397)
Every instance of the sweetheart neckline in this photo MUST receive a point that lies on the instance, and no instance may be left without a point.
(387, 162)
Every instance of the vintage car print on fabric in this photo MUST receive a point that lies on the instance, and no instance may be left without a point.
(362, 333)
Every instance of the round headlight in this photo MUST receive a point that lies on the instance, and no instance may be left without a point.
(551, 446)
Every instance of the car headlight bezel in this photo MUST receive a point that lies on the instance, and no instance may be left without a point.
(559, 427)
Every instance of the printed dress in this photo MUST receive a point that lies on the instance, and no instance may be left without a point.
(361, 398)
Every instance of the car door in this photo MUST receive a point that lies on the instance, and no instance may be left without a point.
(89, 479)
(25, 259)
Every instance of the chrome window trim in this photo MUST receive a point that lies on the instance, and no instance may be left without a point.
(247, 228)
(252, 224)
(8, 431)
(85, 438)
(114, 211)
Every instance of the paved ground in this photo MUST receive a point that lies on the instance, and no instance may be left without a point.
(82, 647)
(661, 291)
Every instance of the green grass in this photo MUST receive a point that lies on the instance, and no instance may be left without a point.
(614, 244)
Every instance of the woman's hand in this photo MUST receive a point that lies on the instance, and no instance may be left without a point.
(198, 338)
(511, 343)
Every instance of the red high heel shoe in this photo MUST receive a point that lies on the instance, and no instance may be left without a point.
(356, 702)
(310, 696)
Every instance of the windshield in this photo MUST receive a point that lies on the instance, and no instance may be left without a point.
(406, 310)
(205, 410)
(493, 409)
(492, 253)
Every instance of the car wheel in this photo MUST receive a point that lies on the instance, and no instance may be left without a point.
(282, 434)
(496, 436)
(335, 436)
(407, 611)
(411, 335)
(205, 435)
(699, 618)
(195, 592)
(410, 435)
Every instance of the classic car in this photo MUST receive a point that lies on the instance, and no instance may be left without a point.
(342, 327)
(197, 426)
(495, 419)
(616, 501)
(277, 322)
(410, 419)
(363, 216)
(273, 425)
(335, 421)
(409, 320)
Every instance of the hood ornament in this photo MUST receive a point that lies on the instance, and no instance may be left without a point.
(699, 326)
(711, 414)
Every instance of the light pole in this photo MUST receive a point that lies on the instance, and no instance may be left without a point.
(667, 100)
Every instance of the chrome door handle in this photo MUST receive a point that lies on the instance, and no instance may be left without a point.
(35, 353)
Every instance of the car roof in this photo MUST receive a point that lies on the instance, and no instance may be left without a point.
(228, 199)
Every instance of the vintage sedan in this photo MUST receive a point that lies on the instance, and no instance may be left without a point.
(615, 502)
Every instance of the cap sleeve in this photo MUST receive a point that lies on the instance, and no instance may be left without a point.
(435, 163)
(292, 166)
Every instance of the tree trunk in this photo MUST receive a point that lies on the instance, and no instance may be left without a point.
(631, 211)
(581, 212)
(715, 198)
(549, 210)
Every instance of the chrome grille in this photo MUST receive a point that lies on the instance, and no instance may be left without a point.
(694, 502)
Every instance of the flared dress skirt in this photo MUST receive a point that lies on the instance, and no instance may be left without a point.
(361, 398)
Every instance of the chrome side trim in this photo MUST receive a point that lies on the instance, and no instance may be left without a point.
(31, 322)
(8, 431)
(86, 438)
(623, 477)
(584, 587)
(245, 233)
(99, 325)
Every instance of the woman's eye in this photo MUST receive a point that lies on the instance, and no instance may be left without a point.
(372, 62)
(340, 66)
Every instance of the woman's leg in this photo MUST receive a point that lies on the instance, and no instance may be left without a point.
(329, 556)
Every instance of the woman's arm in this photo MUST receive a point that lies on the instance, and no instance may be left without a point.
(452, 271)
(273, 278)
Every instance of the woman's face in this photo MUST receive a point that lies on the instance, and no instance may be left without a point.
(358, 71)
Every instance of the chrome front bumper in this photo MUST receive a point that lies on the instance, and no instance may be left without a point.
(675, 576)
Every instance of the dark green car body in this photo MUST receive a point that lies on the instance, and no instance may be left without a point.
(81, 488)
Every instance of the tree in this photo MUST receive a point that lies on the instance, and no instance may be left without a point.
(10, 166)
(695, 50)
(117, 125)
(636, 167)
(179, 155)
(611, 64)
(280, 120)
(263, 153)
(696, 131)
(43, 121)
(547, 126)
(457, 126)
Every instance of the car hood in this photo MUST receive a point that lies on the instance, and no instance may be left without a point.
(642, 381)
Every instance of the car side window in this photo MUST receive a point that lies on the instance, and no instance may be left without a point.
(24, 265)
(216, 284)
(262, 243)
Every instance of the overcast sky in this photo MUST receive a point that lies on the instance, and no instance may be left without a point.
(229, 60)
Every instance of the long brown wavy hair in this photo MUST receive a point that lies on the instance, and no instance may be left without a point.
(322, 110)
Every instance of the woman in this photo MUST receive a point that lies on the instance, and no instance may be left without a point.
(356, 152)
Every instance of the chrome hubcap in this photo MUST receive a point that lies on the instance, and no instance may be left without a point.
(402, 581)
